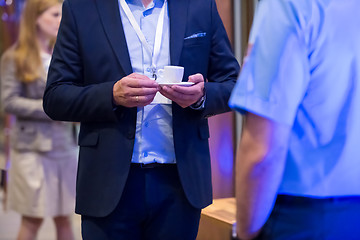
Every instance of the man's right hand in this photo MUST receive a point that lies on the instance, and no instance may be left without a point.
(134, 90)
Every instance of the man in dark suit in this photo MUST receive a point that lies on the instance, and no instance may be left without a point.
(144, 168)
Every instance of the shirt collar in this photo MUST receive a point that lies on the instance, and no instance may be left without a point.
(153, 4)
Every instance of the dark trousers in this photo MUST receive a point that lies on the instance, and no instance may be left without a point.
(302, 218)
(153, 207)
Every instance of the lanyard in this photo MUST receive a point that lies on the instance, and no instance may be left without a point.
(158, 34)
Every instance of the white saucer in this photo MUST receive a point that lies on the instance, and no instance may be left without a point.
(178, 83)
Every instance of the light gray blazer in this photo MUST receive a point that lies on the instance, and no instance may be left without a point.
(32, 130)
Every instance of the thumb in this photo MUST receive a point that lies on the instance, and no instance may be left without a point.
(196, 78)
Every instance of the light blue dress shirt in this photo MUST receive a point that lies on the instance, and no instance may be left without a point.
(304, 71)
(154, 134)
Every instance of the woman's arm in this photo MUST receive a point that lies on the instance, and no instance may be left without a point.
(13, 96)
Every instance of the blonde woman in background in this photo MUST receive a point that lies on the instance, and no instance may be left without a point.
(43, 152)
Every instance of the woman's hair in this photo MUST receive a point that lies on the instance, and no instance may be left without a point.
(27, 50)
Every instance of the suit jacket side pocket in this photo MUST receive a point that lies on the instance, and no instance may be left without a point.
(32, 136)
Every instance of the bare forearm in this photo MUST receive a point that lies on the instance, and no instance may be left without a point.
(256, 189)
(259, 167)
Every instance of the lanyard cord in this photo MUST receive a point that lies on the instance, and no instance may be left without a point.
(158, 34)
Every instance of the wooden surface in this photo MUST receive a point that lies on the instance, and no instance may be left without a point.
(217, 220)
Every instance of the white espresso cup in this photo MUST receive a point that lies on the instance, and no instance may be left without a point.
(171, 74)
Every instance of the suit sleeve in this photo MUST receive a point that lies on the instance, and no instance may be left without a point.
(223, 69)
(66, 97)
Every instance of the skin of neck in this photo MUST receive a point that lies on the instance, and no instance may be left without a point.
(44, 42)
(146, 2)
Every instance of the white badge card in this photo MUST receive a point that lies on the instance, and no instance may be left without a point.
(160, 99)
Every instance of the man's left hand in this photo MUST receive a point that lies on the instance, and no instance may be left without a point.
(185, 95)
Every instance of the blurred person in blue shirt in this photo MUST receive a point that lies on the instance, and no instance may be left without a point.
(298, 162)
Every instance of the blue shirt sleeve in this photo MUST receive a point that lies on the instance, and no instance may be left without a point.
(276, 72)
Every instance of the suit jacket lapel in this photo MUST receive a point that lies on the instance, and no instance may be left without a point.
(178, 15)
(111, 21)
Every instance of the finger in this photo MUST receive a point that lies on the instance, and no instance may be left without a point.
(196, 78)
(138, 76)
(196, 90)
(170, 93)
(188, 90)
(143, 100)
(144, 91)
(141, 83)
(138, 80)
(121, 89)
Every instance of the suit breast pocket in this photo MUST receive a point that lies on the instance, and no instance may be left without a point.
(194, 41)
(195, 56)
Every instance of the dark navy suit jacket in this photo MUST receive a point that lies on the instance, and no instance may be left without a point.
(91, 54)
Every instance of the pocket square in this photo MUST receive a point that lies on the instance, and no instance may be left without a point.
(196, 35)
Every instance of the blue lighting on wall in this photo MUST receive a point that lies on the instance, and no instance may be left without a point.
(225, 152)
